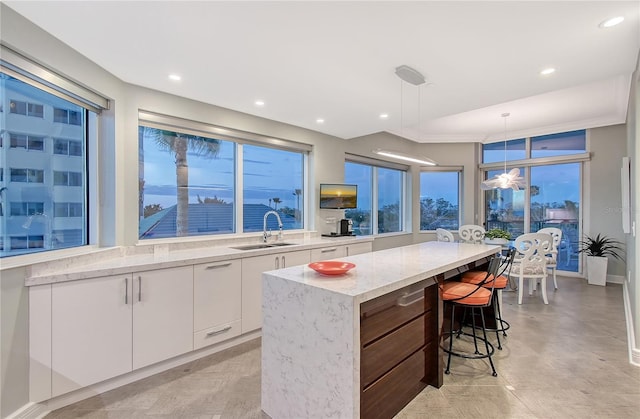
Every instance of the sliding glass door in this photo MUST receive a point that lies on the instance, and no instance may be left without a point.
(555, 202)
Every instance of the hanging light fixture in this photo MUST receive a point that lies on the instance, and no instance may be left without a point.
(414, 77)
(510, 180)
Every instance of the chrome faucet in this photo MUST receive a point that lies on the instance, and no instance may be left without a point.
(264, 226)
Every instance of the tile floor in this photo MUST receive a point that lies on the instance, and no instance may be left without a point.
(568, 359)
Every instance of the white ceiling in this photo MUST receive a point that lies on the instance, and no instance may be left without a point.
(337, 60)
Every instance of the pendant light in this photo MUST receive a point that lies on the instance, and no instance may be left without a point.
(510, 180)
(413, 77)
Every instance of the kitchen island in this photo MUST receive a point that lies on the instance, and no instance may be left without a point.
(362, 344)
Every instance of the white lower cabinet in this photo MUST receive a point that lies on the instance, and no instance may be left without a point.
(91, 331)
(162, 314)
(325, 253)
(105, 327)
(252, 269)
(358, 248)
(217, 289)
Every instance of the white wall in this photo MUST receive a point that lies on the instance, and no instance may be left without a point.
(607, 146)
(633, 241)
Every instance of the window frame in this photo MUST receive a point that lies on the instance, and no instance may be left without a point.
(443, 169)
(239, 138)
(404, 210)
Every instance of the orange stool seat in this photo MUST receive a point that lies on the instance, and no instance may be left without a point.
(467, 294)
(476, 277)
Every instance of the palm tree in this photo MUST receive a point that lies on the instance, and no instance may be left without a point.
(178, 144)
(276, 201)
(297, 193)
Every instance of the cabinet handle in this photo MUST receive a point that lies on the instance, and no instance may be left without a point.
(408, 299)
(139, 288)
(217, 332)
(284, 264)
(222, 265)
(126, 291)
(277, 262)
(333, 249)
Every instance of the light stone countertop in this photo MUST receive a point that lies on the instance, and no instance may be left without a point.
(311, 355)
(384, 271)
(118, 261)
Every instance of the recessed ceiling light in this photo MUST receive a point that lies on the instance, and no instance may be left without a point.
(259, 103)
(384, 115)
(174, 77)
(320, 121)
(611, 22)
(548, 71)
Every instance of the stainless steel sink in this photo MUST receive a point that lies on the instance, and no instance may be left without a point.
(261, 246)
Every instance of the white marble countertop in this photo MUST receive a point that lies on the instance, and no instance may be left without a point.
(118, 261)
(384, 271)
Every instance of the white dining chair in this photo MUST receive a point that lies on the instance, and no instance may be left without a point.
(443, 235)
(552, 258)
(471, 233)
(531, 262)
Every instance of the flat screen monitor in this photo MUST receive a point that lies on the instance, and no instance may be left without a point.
(338, 196)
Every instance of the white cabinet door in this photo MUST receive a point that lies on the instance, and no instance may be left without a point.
(252, 269)
(217, 289)
(162, 314)
(357, 248)
(90, 331)
(329, 252)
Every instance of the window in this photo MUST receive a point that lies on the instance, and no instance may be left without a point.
(573, 142)
(67, 116)
(26, 108)
(389, 192)
(204, 197)
(28, 142)
(439, 200)
(67, 209)
(27, 175)
(495, 152)
(67, 147)
(29, 206)
(552, 197)
(26, 209)
(27, 242)
(273, 180)
(67, 178)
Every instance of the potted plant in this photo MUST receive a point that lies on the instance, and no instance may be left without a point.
(497, 236)
(598, 249)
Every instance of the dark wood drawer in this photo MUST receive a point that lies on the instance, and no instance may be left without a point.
(384, 314)
(388, 395)
(387, 352)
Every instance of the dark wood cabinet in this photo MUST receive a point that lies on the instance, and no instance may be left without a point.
(399, 348)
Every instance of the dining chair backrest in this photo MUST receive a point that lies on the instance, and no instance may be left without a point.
(556, 234)
(444, 235)
(471, 233)
(532, 249)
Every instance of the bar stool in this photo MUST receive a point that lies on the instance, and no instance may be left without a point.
(501, 283)
(471, 296)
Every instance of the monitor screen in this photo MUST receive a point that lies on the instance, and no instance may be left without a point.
(338, 196)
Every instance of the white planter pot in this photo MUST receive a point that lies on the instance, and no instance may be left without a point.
(597, 270)
(496, 241)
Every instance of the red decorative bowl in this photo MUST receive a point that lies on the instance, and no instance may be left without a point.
(332, 267)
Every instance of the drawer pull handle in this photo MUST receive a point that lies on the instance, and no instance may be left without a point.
(333, 249)
(217, 332)
(222, 265)
(408, 299)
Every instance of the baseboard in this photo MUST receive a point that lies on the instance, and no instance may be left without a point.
(634, 352)
(30, 411)
(39, 410)
(616, 279)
